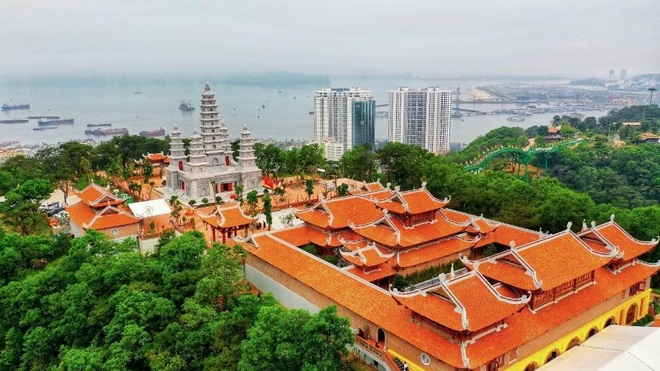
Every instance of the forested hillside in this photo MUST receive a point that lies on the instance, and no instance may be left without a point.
(90, 303)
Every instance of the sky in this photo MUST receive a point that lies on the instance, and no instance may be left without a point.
(425, 38)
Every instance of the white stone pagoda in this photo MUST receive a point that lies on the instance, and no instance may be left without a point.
(210, 169)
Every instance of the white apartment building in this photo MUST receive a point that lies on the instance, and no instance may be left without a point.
(421, 117)
(333, 115)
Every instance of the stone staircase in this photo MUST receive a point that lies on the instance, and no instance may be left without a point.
(398, 363)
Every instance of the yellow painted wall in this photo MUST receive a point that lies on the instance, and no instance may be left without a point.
(412, 366)
(560, 345)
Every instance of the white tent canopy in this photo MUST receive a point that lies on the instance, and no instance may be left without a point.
(146, 209)
(613, 348)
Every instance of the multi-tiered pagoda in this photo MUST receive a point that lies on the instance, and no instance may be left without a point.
(210, 170)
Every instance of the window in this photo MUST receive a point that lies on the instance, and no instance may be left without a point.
(426, 360)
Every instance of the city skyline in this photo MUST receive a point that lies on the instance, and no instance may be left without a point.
(426, 39)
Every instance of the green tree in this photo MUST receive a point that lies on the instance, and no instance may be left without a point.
(359, 163)
(21, 206)
(252, 199)
(268, 208)
(238, 191)
(402, 164)
(309, 188)
(342, 190)
(282, 339)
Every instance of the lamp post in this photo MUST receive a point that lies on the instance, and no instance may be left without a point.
(650, 101)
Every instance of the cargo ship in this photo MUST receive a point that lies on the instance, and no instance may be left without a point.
(45, 127)
(44, 122)
(186, 106)
(153, 133)
(112, 131)
(8, 107)
(43, 117)
(15, 121)
(90, 125)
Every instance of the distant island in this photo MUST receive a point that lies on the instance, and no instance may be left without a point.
(588, 82)
(280, 78)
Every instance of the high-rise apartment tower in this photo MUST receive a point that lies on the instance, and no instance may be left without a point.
(344, 115)
(421, 117)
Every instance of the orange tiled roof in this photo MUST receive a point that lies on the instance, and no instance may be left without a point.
(482, 225)
(348, 289)
(97, 197)
(371, 274)
(157, 157)
(355, 294)
(110, 217)
(226, 216)
(543, 264)
(80, 213)
(505, 233)
(433, 251)
(390, 231)
(630, 247)
(338, 212)
(378, 195)
(525, 325)
(412, 202)
(367, 256)
(467, 302)
(373, 186)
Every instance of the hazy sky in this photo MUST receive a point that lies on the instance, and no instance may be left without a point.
(425, 38)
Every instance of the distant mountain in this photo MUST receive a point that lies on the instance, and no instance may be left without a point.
(280, 78)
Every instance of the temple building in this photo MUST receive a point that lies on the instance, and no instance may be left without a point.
(102, 211)
(528, 300)
(210, 170)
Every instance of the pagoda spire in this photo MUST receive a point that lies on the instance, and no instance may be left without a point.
(246, 158)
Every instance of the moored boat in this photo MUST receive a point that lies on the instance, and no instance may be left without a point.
(44, 122)
(44, 127)
(515, 118)
(43, 117)
(8, 107)
(153, 133)
(186, 106)
(15, 121)
(110, 131)
(90, 125)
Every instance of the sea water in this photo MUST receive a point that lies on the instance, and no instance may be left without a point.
(277, 112)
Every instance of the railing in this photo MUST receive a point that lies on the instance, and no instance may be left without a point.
(381, 354)
(434, 281)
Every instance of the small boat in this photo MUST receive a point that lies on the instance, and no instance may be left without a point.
(16, 121)
(44, 128)
(90, 125)
(8, 107)
(43, 117)
(111, 131)
(153, 133)
(44, 122)
(137, 92)
(311, 112)
(515, 118)
(186, 106)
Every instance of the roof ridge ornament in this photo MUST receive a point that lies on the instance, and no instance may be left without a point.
(612, 218)
(569, 225)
